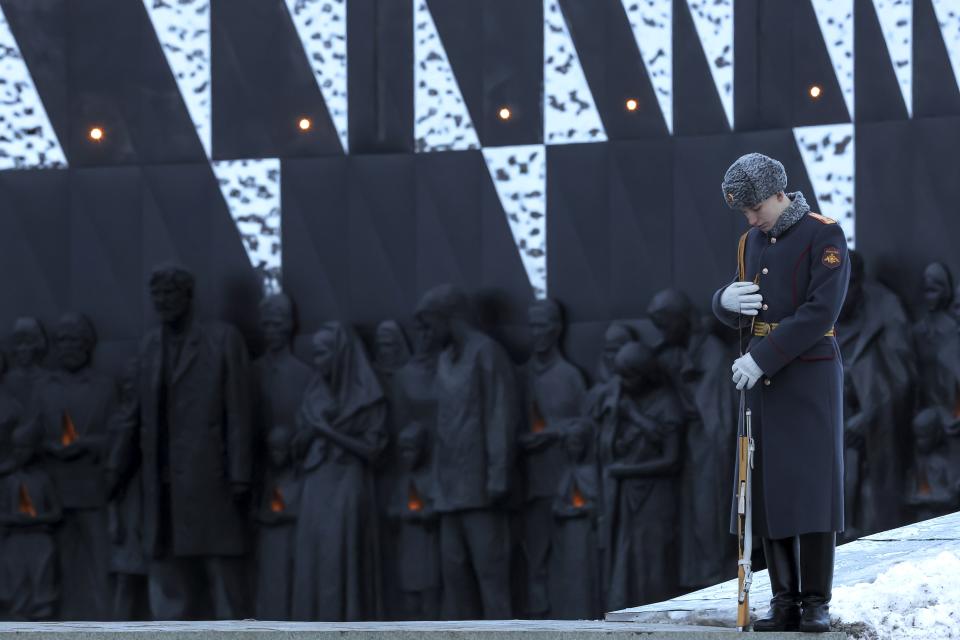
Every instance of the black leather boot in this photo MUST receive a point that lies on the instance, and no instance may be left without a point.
(782, 565)
(816, 579)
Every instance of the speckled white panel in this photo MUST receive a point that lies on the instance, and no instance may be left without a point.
(27, 139)
(322, 28)
(441, 118)
(569, 111)
(251, 189)
(896, 21)
(652, 25)
(713, 20)
(183, 29)
(519, 174)
(835, 18)
(948, 15)
(829, 158)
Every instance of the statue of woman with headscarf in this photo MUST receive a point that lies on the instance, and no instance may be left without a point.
(340, 433)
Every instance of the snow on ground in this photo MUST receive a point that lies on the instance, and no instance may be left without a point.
(909, 600)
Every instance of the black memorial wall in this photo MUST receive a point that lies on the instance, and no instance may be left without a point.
(365, 234)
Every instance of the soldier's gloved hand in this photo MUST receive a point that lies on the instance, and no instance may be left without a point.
(742, 297)
(746, 372)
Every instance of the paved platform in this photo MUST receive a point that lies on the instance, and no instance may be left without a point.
(859, 561)
(485, 630)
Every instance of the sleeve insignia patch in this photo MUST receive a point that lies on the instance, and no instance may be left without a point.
(831, 258)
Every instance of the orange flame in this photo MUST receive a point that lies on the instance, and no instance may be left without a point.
(414, 502)
(537, 423)
(68, 432)
(577, 499)
(26, 504)
(277, 505)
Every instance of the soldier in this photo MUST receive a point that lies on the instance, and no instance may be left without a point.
(790, 285)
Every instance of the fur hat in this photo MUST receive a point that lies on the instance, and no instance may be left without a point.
(752, 179)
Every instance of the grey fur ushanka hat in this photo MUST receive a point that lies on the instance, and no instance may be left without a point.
(752, 179)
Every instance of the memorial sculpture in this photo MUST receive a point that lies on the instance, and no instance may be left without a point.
(340, 434)
(640, 422)
(276, 517)
(417, 532)
(931, 489)
(873, 337)
(477, 415)
(936, 343)
(574, 556)
(698, 365)
(554, 391)
(128, 564)
(29, 348)
(73, 404)
(193, 424)
(29, 512)
(391, 352)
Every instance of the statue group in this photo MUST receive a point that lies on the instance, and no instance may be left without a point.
(437, 479)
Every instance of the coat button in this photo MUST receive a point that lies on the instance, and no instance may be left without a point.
(773, 241)
(766, 381)
(764, 307)
(764, 271)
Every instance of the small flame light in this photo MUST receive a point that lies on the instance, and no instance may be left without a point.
(304, 124)
(815, 91)
(632, 104)
(505, 113)
(96, 134)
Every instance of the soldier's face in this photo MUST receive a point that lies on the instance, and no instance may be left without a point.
(764, 215)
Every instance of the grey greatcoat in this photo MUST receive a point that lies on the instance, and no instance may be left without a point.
(207, 435)
(798, 405)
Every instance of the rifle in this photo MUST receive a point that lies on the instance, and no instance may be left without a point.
(744, 514)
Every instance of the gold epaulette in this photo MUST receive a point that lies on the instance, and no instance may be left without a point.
(823, 219)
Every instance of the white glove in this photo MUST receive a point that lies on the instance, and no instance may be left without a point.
(746, 372)
(742, 298)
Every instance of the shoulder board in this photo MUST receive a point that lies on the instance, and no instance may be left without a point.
(823, 219)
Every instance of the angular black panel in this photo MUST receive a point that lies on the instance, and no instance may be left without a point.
(697, 108)
(119, 80)
(877, 91)
(263, 85)
(935, 90)
(380, 68)
(614, 68)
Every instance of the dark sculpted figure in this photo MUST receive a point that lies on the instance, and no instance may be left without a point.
(340, 433)
(574, 557)
(640, 421)
(697, 363)
(11, 413)
(476, 431)
(873, 336)
(391, 353)
(554, 392)
(282, 377)
(192, 423)
(29, 350)
(931, 489)
(29, 511)
(276, 517)
(73, 405)
(936, 341)
(617, 334)
(417, 541)
(125, 515)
